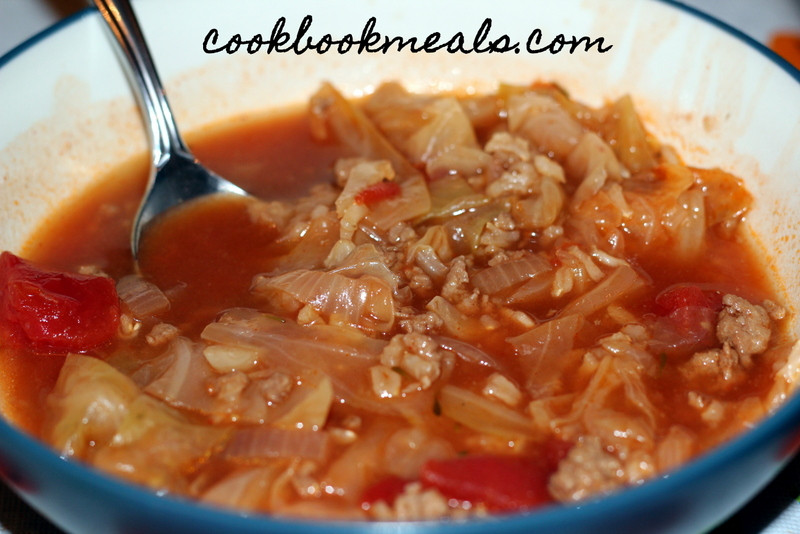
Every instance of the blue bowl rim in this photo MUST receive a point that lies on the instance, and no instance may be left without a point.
(773, 426)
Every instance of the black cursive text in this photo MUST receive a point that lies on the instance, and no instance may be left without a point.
(372, 41)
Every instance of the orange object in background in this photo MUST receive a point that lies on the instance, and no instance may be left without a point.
(787, 45)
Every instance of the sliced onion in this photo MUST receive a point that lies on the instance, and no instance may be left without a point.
(545, 353)
(508, 274)
(342, 354)
(426, 259)
(143, 298)
(540, 119)
(367, 260)
(254, 443)
(448, 128)
(456, 323)
(620, 283)
(243, 489)
(465, 229)
(422, 126)
(88, 403)
(629, 138)
(467, 352)
(534, 290)
(451, 195)
(333, 116)
(365, 302)
(309, 404)
(157, 446)
(458, 160)
(310, 345)
(183, 378)
(549, 340)
(412, 202)
(483, 415)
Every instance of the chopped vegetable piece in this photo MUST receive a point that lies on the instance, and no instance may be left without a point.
(55, 312)
(681, 296)
(377, 192)
(498, 482)
(688, 319)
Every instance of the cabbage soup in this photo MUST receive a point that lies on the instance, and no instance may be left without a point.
(440, 307)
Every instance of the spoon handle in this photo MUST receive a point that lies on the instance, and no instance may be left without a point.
(163, 132)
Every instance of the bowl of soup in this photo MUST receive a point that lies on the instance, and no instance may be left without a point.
(505, 267)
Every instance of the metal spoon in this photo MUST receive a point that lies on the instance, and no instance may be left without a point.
(176, 175)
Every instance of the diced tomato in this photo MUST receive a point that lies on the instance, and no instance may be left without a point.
(55, 312)
(376, 192)
(501, 483)
(553, 451)
(681, 296)
(688, 320)
(386, 490)
(694, 328)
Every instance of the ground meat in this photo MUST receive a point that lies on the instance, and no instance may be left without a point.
(457, 288)
(422, 323)
(418, 280)
(744, 326)
(715, 370)
(414, 504)
(161, 334)
(227, 390)
(743, 329)
(275, 387)
(417, 355)
(587, 470)
(776, 311)
(456, 285)
(275, 214)
(498, 235)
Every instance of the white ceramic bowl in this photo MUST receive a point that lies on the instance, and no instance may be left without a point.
(68, 116)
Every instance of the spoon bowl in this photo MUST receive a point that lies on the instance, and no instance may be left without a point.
(176, 175)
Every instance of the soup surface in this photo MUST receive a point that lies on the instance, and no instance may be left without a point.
(437, 307)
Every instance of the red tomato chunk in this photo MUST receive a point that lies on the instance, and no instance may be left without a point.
(386, 490)
(377, 192)
(502, 483)
(55, 312)
(682, 296)
(688, 319)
